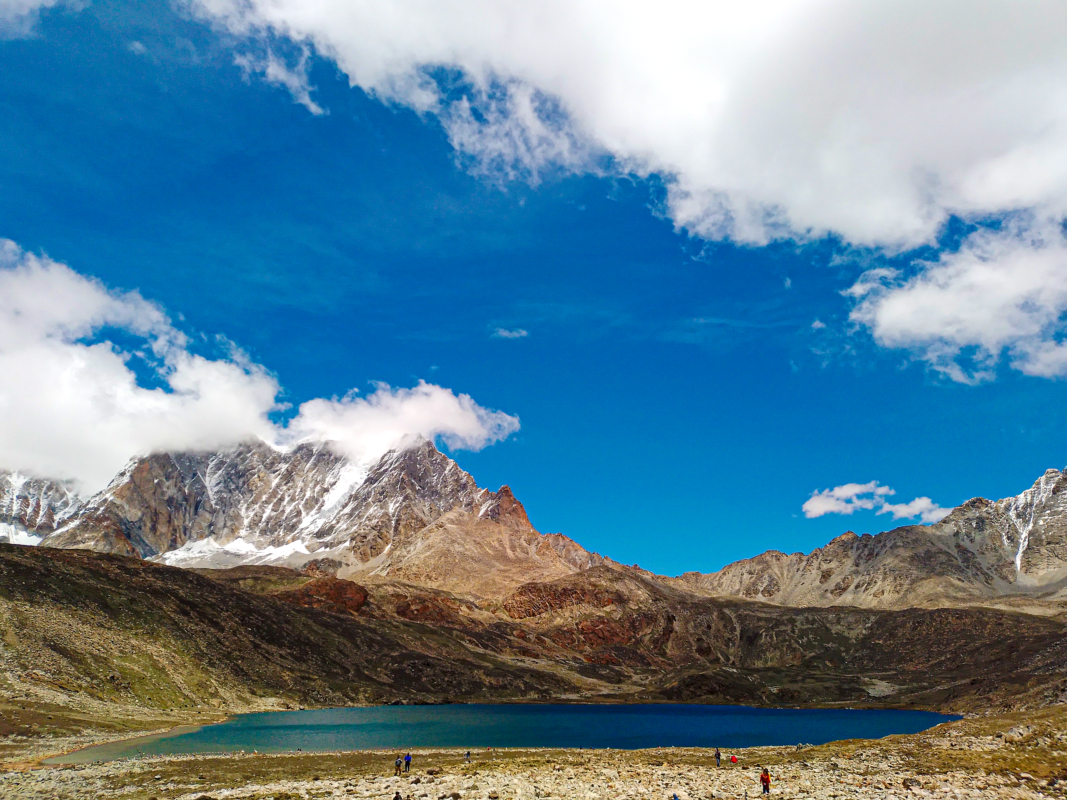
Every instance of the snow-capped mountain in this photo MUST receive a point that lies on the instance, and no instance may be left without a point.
(32, 508)
(415, 514)
(1012, 547)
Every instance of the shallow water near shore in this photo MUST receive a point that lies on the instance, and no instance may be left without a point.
(476, 727)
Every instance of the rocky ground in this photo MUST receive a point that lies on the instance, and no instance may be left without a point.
(1009, 756)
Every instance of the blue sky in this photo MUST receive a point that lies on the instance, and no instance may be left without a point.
(683, 387)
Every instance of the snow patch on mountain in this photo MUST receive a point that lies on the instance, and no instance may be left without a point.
(10, 534)
(32, 508)
(1023, 508)
(209, 554)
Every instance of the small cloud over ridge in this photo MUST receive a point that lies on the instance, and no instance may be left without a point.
(871, 496)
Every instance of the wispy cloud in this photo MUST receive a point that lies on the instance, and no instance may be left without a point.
(510, 333)
(278, 73)
(871, 496)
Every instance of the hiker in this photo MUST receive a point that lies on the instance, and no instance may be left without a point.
(396, 764)
(397, 796)
(765, 781)
(468, 756)
(733, 759)
(718, 758)
(407, 762)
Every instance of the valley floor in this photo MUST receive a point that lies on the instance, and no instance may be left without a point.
(1022, 755)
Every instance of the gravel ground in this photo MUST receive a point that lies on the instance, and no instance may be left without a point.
(1016, 756)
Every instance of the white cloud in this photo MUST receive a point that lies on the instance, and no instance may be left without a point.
(1004, 291)
(923, 507)
(851, 497)
(769, 118)
(276, 72)
(374, 424)
(505, 333)
(72, 405)
(18, 16)
(845, 499)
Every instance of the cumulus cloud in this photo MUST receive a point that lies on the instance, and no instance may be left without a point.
(851, 497)
(1004, 292)
(875, 122)
(361, 426)
(90, 377)
(770, 118)
(505, 333)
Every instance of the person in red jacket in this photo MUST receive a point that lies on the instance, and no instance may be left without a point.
(765, 781)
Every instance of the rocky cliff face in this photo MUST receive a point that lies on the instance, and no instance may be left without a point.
(32, 508)
(1015, 547)
(412, 515)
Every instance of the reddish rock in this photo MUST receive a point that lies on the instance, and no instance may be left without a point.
(329, 594)
(428, 609)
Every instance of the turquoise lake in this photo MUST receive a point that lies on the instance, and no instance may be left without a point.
(479, 726)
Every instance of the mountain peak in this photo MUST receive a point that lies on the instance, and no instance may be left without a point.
(254, 504)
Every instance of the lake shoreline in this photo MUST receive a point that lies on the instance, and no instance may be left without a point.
(544, 725)
(1011, 756)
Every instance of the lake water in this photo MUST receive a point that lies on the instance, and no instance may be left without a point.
(478, 726)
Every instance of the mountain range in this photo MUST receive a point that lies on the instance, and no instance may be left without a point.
(409, 582)
(416, 516)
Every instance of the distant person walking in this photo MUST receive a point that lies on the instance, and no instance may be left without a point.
(397, 764)
(407, 763)
(765, 781)
(468, 756)
(718, 758)
(733, 759)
